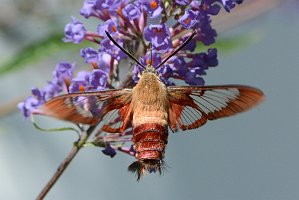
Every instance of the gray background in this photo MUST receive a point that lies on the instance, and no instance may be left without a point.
(251, 156)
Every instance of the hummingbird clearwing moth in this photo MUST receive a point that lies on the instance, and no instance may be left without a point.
(151, 108)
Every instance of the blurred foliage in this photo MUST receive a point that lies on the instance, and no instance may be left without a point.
(36, 51)
(230, 44)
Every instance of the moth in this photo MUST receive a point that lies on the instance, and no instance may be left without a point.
(151, 109)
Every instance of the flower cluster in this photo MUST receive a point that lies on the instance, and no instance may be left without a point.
(136, 25)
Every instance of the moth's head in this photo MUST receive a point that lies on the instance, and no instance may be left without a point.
(140, 167)
(150, 69)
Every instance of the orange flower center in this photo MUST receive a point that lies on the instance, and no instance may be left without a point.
(148, 61)
(187, 21)
(153, 5)
(94, 65)
(114, 28)
(81, 88)
(67, 82)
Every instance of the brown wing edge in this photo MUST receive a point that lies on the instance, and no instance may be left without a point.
(180, 96)
(58, 108)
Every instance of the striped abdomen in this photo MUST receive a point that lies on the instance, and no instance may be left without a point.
(150, 140)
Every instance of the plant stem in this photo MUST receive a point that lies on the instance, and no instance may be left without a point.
(75, 149)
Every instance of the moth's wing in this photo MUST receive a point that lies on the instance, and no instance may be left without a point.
(192, 106)
(91, 107)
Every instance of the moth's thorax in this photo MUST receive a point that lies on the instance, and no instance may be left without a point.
(149, 100)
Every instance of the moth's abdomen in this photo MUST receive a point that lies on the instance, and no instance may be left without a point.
(150, 140)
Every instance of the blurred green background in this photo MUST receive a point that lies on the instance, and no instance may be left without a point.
(251, 156)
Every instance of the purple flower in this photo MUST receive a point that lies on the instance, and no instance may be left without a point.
(153, 7)
(88, 8)
(193, 76)
(165, 73)
(136, 73)
(146, 60)
(109, 151)
(101, 59)
(110, 26)
(61, 78)
(64, 71)
(197, 66)
(163, 47)
(52, 89)
(99, 8)
(209, 7)
(230, 4)
(38, 94)
(204, 60)
(189, 19)
(206, 33)
(98, 79)
(90, 55)
(80, 83)
(102, 9)
(183, 2)
(108, 47)
(32, 102)
(131, 11)
(74, 32)
(159, 36)
(154, 60)
(78, 86)
(211, 58)
(105, 61)
(112, 5)
(82, 76)
(28, 106)
(190, 46)
(179, 67)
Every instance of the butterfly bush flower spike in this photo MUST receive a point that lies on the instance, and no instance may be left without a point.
(74, 32)
(153, 7)
(131, 12)
(134, 25)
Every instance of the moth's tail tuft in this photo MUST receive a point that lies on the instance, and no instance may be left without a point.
(140, 167)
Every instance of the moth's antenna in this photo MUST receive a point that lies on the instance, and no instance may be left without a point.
(178, 49)
(125, 51)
